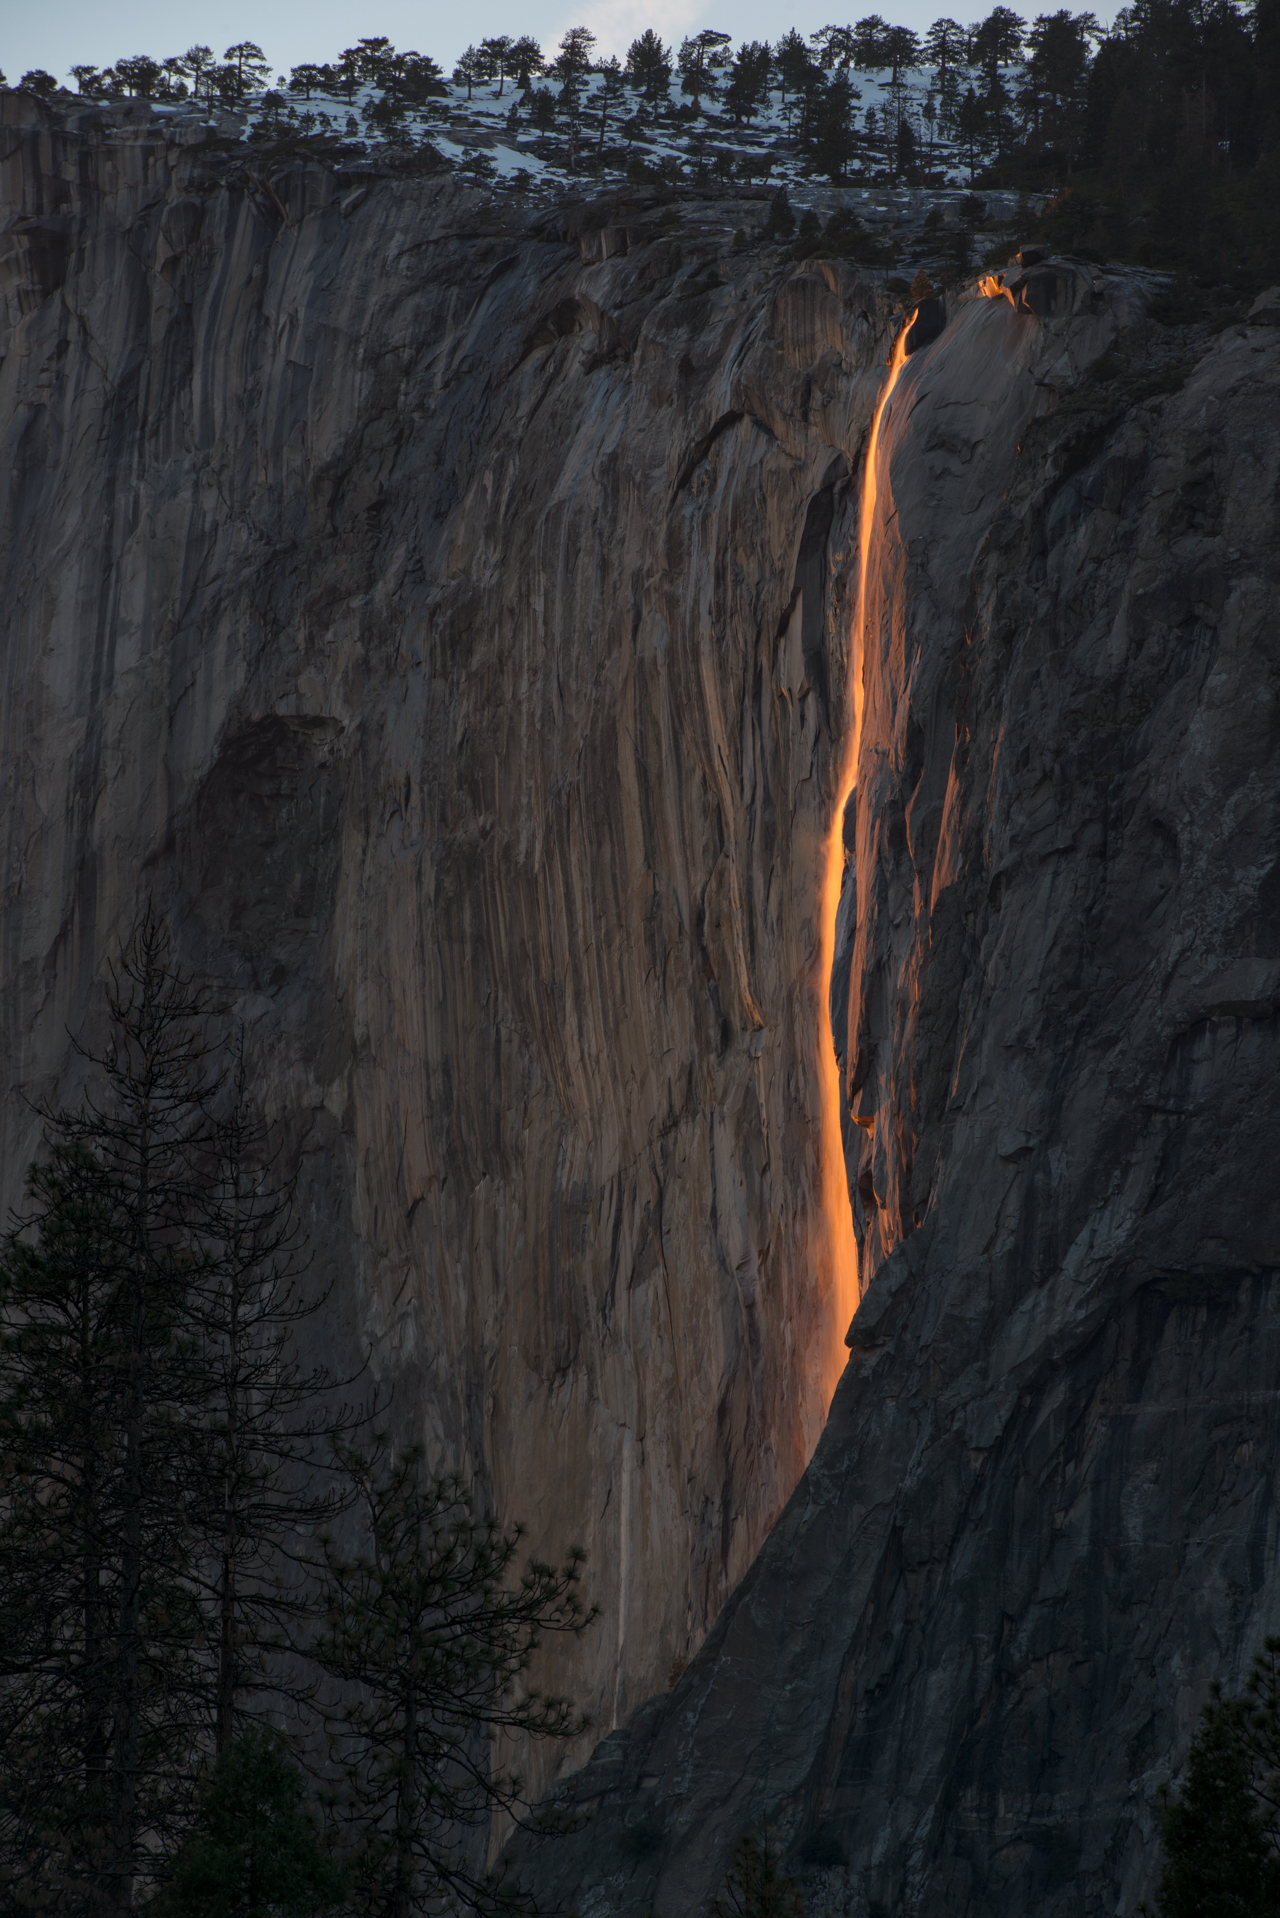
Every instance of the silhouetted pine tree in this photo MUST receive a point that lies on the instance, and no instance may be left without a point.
(428, 1646)
(1222, 1832)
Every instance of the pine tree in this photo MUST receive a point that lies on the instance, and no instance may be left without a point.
(158, 1439)
(253, 1849)
(701, 56)
(99, 1378)
(497, 52)
(971, 127)
(138, 75)
(1214, 1843)
(198, 61)
(829, 137)
(469, 70)
(748, 80)
(649, 67)
(901, 51)
(253, 69)
(306, 79)
(525, 61)
(833, 48)
(756, 1885)
(1222, 1832)
(262, 1485)
(611, 86)
(572, 65)
(869, 42)
(944, 45)
(792, 60)
(429, 1645)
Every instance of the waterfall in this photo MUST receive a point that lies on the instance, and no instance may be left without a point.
(842, 1250)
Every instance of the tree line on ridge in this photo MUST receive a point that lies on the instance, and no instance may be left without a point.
(1155, 139)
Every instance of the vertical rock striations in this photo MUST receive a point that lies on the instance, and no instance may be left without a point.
(435, 615)
(1042, 1515)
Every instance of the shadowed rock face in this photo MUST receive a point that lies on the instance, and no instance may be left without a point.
(422, 610)
(1041, 1517)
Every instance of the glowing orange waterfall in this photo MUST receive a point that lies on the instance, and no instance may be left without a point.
(992, 287)
(837, 1213)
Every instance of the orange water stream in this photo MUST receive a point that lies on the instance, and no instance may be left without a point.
(837, 1213)
(992, 287)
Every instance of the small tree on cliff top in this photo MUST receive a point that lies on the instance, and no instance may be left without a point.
(649, 67)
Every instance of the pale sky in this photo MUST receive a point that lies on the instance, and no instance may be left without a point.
(75, 31)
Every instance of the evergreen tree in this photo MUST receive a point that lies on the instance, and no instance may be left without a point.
(525, 61)
(1222, 1832)
(497, 52)
(469, 70)
(1056, 78)
(611, 87)
(100, 1375)
(792, 60)
(158, 1443)
(226, 83)
(429, 1646)
(260, 1489)
(172, 86)
(943, 45)
(1217, 1863)
(571, 66)
(995, 42)
(748, 80)
(835, 47)
(781, 223)
(971, 127)
(253, 69)
(649, 67)
(137, 75)
(700, 59)
(756, 1885)
(306, 79)
(198, 61)
(906, 152)
(869, 42)
(253, 1849)
(829, 137)
(348, 72)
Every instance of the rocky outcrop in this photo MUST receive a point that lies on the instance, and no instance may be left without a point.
(424, 603)
(1041, 1518)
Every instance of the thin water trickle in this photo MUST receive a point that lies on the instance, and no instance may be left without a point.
(837, 1212)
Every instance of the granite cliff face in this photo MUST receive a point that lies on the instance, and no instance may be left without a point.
(1041, 1517)
(448, 622)
(428, 612)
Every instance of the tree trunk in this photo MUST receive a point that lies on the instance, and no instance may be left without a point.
(125, 1754)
